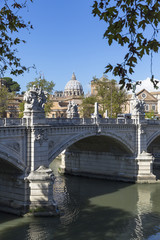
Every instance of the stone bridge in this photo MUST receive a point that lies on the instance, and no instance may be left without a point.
(120, 149)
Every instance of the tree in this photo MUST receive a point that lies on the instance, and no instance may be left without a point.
(43, 83)
(87, 106)
(21, 109)
(149, 114)
(128, 23)
(12, 86)
(109, 96)
(46, 86)
(5, 96)
(10, 24)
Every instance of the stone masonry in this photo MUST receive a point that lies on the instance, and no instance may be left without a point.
(119, 149)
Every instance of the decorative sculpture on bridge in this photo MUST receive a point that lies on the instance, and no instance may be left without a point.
(138, 106)
(72, 111)
(134, 88)
(35, 100)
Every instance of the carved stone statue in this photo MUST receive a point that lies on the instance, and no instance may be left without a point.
(134, 88)
(138, 106)
(72, 111)
(35, 99)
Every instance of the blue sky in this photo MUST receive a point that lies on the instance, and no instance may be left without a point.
(67, 38)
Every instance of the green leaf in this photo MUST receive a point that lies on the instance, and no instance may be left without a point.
(128, 23)
(109, 68)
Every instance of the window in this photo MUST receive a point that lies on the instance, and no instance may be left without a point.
(143, 95)
(147, 107)
(153, 107)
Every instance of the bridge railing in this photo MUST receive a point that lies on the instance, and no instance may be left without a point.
(5, 122)
(80, 121)
(107, 120)
(1, 121)
(153, 121)
(69, 121)
(86, 121)
(61, 121)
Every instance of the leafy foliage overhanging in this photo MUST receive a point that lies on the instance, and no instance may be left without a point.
(129, 22)
(10, 25)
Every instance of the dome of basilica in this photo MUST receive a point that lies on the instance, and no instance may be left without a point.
(73, 87)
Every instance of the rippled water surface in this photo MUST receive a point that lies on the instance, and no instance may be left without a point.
(92, 209)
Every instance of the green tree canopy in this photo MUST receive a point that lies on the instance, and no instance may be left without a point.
(150, 114)
(134, 24)
(11, 22)
(43, 83)
(12, 86)
(109, 96)
(87, 106)
(5, 96)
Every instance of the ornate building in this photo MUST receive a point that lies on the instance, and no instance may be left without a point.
(151, 100)
(73, 91)
(13, 106)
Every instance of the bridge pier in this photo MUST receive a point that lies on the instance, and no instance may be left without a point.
(145, 168)
(14, 193)
(40, 178)
(144, 159)
(41, 200)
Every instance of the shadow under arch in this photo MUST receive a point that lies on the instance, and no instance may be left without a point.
(153, 137)
(7, 167)
(14, 193)
(153, 147)
(11, 157)
(82, 136)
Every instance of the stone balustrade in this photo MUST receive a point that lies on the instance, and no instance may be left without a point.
(7, 122)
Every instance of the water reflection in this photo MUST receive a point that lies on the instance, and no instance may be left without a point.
(92, 209)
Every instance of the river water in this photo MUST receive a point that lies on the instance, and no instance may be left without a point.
(92, 209)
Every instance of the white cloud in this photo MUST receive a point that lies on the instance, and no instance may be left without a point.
(148, 85)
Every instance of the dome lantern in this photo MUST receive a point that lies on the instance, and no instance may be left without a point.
(74, 76)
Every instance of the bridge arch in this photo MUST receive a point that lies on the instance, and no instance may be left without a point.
(152, 138)
(55, 152)
(11, 157)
